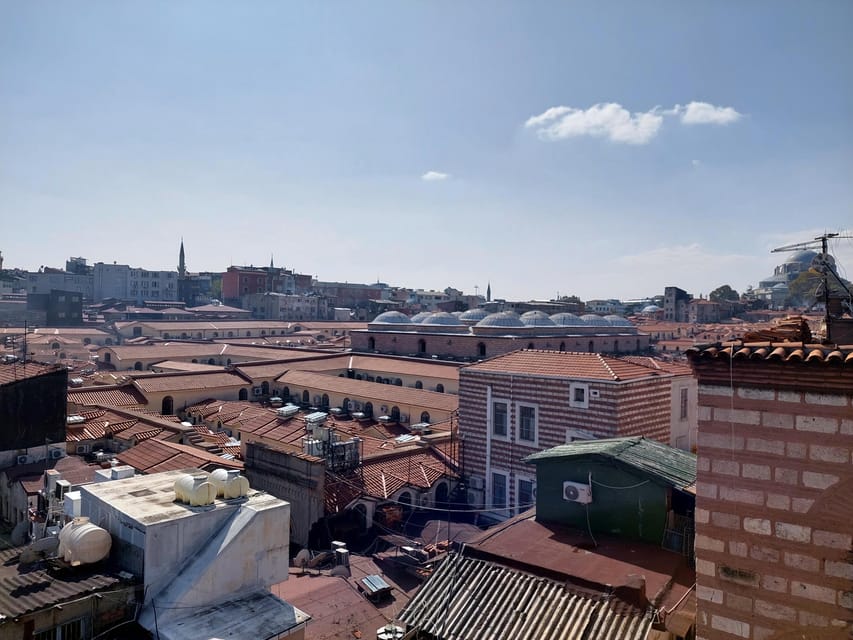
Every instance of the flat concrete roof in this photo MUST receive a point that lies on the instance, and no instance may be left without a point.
(150, 499)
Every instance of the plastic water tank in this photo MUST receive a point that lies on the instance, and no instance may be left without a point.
(81, 542)
(229, 483)
(195, 490)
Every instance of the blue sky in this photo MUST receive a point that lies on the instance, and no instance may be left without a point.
(601, 149)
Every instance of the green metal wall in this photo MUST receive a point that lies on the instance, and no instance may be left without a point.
(637, 513)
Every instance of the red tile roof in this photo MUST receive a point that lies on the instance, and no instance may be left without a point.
(19, 371)
(173, 382)
(125, 395)
(152, 456)
(776, 352)
(565, 364)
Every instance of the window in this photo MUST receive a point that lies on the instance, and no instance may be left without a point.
(527, 423)
(684, 404)
(499, 416)
(498, 490)
(481, 349)
(439, 388)
(526, 493)
(425, 417)
(579, 395)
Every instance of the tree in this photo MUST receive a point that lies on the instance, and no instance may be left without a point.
(724, 292)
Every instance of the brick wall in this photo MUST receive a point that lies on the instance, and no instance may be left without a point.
(774, 507)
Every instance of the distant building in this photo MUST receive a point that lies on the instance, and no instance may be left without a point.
(286, 306)
(132, 284)
(774, 289)
(675, 305)
(774, 513)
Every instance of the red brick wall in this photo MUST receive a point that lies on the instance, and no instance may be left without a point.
(774, 508)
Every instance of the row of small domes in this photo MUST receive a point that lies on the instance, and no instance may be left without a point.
(482, 318)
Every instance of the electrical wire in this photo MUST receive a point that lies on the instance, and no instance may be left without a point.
(633, 486)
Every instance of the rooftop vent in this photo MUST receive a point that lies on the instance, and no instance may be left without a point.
(318, 417)
(75, 419)
(288, 411)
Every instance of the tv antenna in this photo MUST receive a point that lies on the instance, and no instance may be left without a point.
(823, 264)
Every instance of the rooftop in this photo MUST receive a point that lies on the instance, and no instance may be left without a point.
(151, 456)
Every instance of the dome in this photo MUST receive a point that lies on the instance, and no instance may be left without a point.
(652, 308)
(392, 317)
(593, 320)
(802, 257)
(536, 319)
(618, 321)
(501, 319)
(566, 319)
(474, 315)
(442, 318)
(420, 317)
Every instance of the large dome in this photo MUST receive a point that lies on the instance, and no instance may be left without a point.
(618, 321)
(474, 315)
(392, 317)
(566, 319)
(501, 319)
(420, 317)
(802, 257)
(536, 319)
(652, 308)
(442, 318)
(593, 320)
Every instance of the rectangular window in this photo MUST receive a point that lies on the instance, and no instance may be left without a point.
(526, 494)
(579, 395)
(499, 416)
(684, 404)
(527, 423)
(498, 491)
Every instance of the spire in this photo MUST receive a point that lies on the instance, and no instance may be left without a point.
(182, 263)
(271, 264)
(489, 292)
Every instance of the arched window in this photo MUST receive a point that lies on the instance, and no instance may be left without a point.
(425, 416)
(591, 346)
(263, 332)
(184, 335)
(398, 382)
(421, 346)
(481, 349)
(215, 334)
(371, 343)
(395, 414)
(324, 401)
(406, 500)
(442, 492)
(243, 395)
(345, 405)
(107, 357)
(228, 362)
(358, 376)
(368, 409)
(306, 397)
(616, 346)
(199, 335)
(138, 366)
(265, 388)
(562, 346)
(248, 334)
(168, 406)
(62, 355)
(530, 345)
(195, 361)
(211, 361)
(638, 345)
(167, 335)
(419, 384)
(439, 387)
(55, 346)
(285, 393)
(230, 334)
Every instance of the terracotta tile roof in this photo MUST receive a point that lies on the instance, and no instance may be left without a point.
(382, 393)
(564, 364)
(179, 365)
(154, 455)
(677, 368)
(125, 395)
(776, 352)
(31, 588)
(158, 382)
(18, 371)
(405, 366)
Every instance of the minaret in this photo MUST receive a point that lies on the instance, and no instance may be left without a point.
(489, 292)
(271, 264)
(182, 263)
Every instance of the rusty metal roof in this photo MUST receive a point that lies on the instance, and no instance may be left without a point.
(470, 598)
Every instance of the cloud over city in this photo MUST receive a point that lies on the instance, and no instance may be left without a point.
(614, 122)
(434, 176)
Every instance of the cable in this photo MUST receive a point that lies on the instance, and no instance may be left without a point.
(633, 486)
(588, 527)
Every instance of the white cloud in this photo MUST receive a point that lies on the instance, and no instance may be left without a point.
(705, 113)
(610, 120)
(434, 176)
(696, 163)
(613, 121)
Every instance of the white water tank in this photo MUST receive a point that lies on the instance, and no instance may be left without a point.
(195, 490)
(81, 542)
(229, 483)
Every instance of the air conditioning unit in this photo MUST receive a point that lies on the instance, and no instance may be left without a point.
(404, 418)
(476, 482)
(475, 499)
(577, 492)
(256, 391)
(55, 454)
(82, 448)
(23, 460)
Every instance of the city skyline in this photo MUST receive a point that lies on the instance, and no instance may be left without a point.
(604, 152)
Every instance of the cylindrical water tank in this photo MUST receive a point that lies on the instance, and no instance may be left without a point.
(229, 483)
(195, 490)
(81, 542)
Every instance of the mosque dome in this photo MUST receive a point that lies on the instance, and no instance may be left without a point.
(536, 319)
(474, 315)
(501, 319)
(442, 318)
(592, 320)
(801, 257)
(652, 308)
(392, 317)
(618, 321)
(566, 319)
(420, 317)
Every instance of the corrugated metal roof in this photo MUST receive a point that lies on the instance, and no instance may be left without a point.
(673, 466)
(468, 598)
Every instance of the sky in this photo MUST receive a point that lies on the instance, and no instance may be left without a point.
(599, 149)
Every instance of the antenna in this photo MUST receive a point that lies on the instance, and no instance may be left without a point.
(822, 264)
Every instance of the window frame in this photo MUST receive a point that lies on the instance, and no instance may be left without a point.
(519, 507)
(492, 504)
(574, 388)
(505, 435)
(534, 442)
